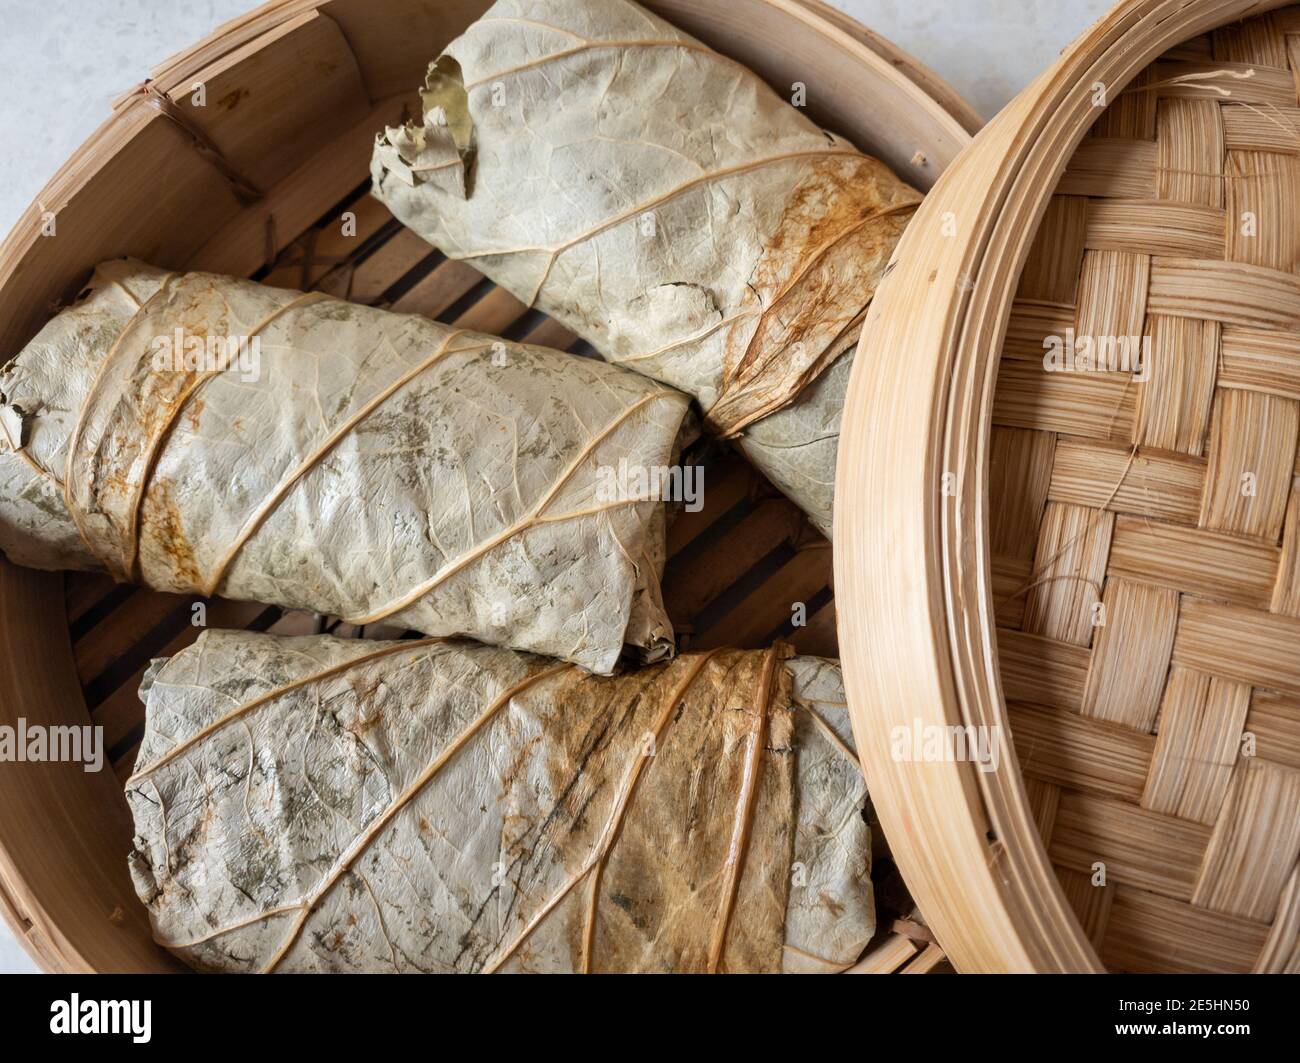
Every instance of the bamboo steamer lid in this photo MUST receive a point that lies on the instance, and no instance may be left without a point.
(1098, 567)
(254, 184)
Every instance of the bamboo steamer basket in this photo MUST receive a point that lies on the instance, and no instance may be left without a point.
(1101, 570)
(254, 184)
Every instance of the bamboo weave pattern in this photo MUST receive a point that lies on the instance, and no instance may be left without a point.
(1145, 527)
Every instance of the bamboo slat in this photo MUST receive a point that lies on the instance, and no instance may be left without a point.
(1112, 166)
(1044, 799)
(1160, 935)
(1247, 129)
(1021, 468)
(1142, 228)
(1251, 462)
(1230, 292)
(1011, 578)
(931, 957)
(1273, 723)
(1043, 671)
(1248, 645)
(1260, 361)
(1131, 657)
(1031, 324)
(1069, 750)
(1202, 718)
(1090, 903)
(1130, 113)
(1069, 567)
(731, 482)
(1205, 563)
(1263, 185)
(885, 958)
(439, 289)
(1255, 845)
(1260, 41)
(1112, 289)
(1189, 152)
(692, 582)
(1097, 406)
(106, 642)
(818, 637)
(1052, 272)
(1159, 854)
(1251, 82)
(769, 608)
(1174, 402)
(254, 110)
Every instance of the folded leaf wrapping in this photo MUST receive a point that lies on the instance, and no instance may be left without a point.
(370, 465)
(318, 804)
(661, 201)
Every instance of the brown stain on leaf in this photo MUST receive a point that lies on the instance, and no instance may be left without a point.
(813, 283)
(161, 399)
(193, 411)
(660, 887)
(161, 517)
(160, 408)
(832, 905)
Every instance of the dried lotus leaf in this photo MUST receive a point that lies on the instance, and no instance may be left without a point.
(206, 435)
(661, 201)
(317, 804)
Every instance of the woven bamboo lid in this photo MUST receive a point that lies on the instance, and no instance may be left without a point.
(1105, 436)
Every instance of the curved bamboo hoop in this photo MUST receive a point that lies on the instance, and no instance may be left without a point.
(63, 880)
(917, 629)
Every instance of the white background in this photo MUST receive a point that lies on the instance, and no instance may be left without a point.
(62, 61)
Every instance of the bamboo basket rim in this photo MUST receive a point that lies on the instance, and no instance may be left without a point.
(244, 27)
(917, 628)
(939, 120)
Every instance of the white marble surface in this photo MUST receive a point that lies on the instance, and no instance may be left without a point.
(62, 61)
(988, 50)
